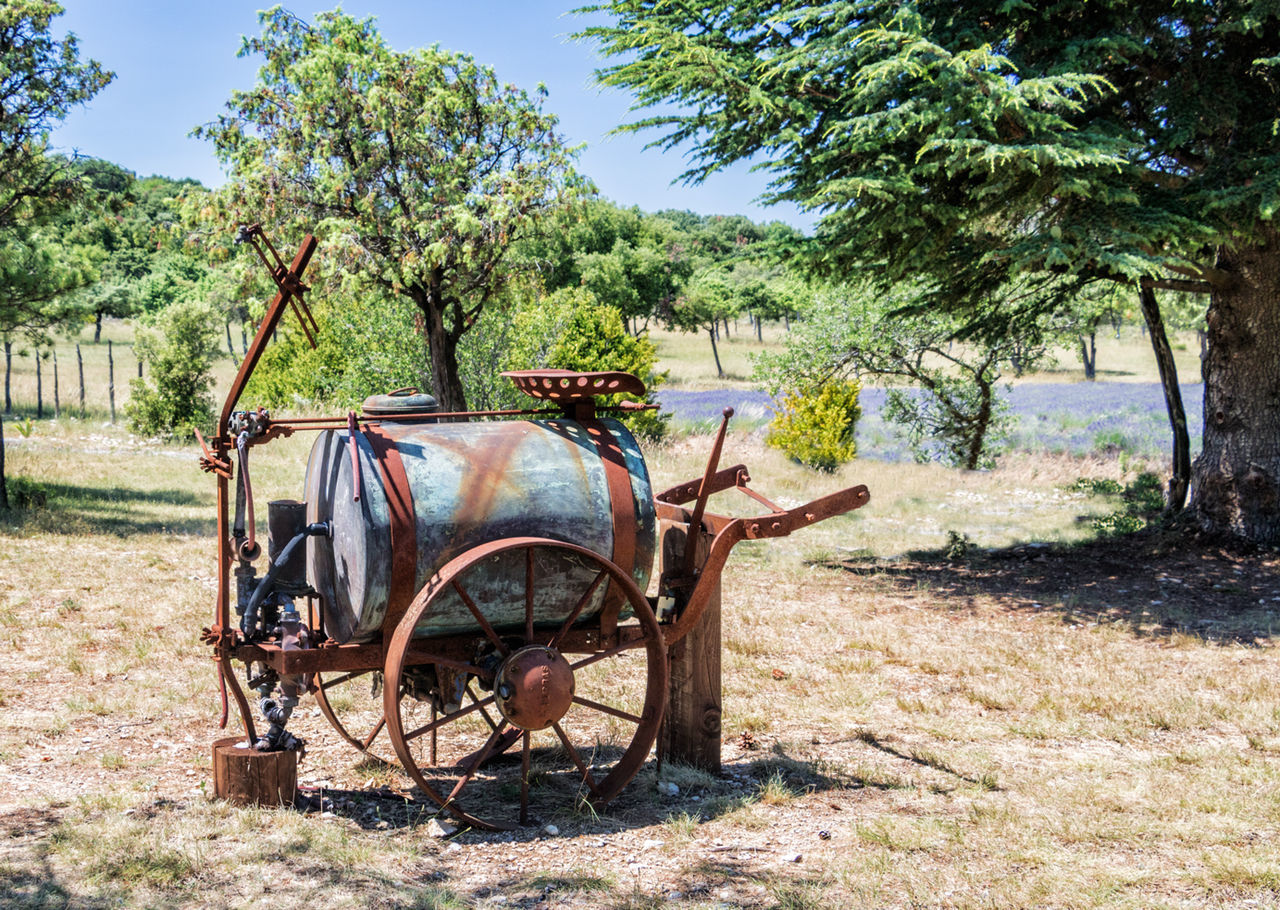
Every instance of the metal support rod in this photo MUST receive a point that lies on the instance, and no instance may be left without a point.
(704, 493)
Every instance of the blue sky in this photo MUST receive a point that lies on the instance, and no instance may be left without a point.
(175, 63)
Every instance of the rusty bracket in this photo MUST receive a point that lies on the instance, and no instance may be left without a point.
(288, 281)
(289, 285)
(704, 493)
(724, 479)
(730, 532)
(211, 462)
(224, 641)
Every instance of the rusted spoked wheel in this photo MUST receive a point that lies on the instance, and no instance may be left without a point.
(352, 703)
(534, 670)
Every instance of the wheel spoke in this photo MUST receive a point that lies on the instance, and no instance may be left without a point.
(481, 620)
(382, 722)
(339, 680)
(596, 706)
(528, 594)
(575, 757)
(578, 608)
(603, 655)
(480, 757)
(448, 719)
(488, 719)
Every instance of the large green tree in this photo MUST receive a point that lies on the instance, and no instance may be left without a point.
(977, 145)
(41, 79)
(421, 167)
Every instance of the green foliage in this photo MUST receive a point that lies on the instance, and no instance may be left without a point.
(817, 429)
(954, 413)
(26, 494)
(1097, 486)
(1143, 499)
(971, 141)
(955, 420)
(571, 330)
(175, 400)
(1000, 157)
(420, 169)
(958, 546)
(367, 344)
(43, 79)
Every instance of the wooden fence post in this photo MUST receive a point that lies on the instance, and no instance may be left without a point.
(80, 364)
(111, 381)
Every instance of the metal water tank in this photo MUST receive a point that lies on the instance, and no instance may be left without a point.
(425, 492)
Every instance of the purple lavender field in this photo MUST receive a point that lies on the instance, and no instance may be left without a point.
(1078, 418)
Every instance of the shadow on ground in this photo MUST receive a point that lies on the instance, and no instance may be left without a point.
(1158, 582)
(120, 511)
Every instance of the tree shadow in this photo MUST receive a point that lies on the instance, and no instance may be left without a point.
(1158, 582)
(120, 511)
(30, 880)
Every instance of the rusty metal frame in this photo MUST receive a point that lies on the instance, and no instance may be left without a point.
(571, 395)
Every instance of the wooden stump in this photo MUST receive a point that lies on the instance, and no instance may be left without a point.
(245, 777)
(691, 730)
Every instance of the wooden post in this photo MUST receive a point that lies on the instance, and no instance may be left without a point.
(111, 381)
(39, 386)
(245, 777)
(80, 364)
(691, 730)
(57, 405)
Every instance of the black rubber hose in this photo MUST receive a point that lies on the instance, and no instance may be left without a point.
(250, 618)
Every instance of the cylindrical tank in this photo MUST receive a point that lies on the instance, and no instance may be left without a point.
(469, 484)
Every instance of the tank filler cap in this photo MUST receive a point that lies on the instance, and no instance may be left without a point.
(402, 401)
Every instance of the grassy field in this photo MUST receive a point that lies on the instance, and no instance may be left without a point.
(954, 697)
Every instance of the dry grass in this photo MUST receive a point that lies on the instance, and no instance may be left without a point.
(1029, 727)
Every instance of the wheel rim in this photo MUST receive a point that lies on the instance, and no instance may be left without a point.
(592, 748)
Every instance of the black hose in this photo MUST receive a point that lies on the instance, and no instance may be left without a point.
(250, 619)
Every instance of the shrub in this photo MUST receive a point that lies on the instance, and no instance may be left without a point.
(1143, 500)
(179, 351)
(571, 330)
(817, 429)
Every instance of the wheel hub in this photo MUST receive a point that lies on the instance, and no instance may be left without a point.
(534, 687)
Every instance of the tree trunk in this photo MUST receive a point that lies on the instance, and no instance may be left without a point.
(1089, 354)
(39, 386)
(442, 348)
(8, 372)
(97, 326)
(1176, 496)
(57, 404)
(1236, 479)
(714, 352)
(981, 423)
(759, 330)
(4, 492)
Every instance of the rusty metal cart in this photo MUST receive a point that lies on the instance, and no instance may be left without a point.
(471, 582)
